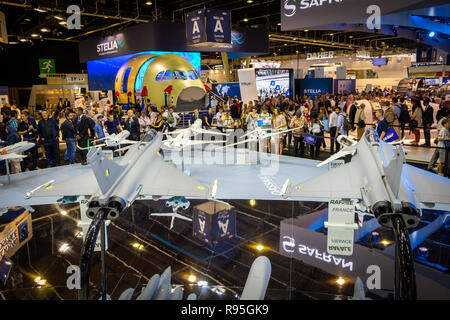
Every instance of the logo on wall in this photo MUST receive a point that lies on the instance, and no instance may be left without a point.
(238, 37)
(111, 46)
(290, 6)
(289, 246)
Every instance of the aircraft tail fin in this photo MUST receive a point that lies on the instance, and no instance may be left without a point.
(106, 170)
(394, 172)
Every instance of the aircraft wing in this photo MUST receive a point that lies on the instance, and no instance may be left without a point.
(10, 156)
(164, 179)
(428, 187)
(342, 182)
(83, 184)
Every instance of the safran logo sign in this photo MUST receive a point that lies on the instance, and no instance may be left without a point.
(110, 47)
(290, 6)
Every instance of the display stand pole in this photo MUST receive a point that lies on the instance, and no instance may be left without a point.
(405, 278)
(88, 251)
(7, 171)
(103, 258)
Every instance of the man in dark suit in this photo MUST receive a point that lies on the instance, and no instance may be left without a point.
(83, 133)
(48, 132)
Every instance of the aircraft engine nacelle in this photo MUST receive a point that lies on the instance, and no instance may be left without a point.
(383, 210)
(113, 208)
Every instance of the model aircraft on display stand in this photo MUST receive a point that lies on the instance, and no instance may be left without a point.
(13, 152)
(113, 140)
(378, 178)
(259, 134)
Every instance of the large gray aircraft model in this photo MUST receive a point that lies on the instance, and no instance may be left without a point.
(380, 179)
(115, 184)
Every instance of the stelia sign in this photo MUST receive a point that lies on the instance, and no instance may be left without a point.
(301, 14)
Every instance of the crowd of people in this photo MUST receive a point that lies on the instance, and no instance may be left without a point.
(313, 122)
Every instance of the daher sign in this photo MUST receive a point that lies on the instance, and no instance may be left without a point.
(301, 14)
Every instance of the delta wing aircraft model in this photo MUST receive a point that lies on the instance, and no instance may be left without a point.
(114, 184)
(383, 185)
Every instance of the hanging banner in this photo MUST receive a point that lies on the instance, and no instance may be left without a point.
(302, 14)
(228, 88)
(208, 27)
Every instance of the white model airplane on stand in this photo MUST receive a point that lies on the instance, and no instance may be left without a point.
(113, 140)
(14, 152)
(181, 202)
(257, 135)
(196, 129)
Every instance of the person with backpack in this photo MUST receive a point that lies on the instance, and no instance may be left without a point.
(428, 120)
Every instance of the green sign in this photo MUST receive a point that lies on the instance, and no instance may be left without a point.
(46, 66)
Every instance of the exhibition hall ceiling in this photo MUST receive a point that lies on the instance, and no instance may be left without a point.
(30, 21)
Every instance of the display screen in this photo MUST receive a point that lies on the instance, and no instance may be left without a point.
(310, 139)
(379, 61)
(102, 73)
(273, 82)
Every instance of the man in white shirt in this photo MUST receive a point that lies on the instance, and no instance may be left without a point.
(332, 122)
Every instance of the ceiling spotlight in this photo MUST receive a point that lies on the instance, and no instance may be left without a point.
(285, 44)
(28, 20)
(23, 40)
(58, 18)
(44, 30)
(148, 3)
(260, 247)
(35, 35)
(252, 202)
(63, 23)
(245, 20)
(39, 10)
(306, 30)
(278, 24)
(249, 1)
(431, 34)
(12, 42)
(297, 51)
(192, 278)
(64, 212)
(331, 34)
(64, 247)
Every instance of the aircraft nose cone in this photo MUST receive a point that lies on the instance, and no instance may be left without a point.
(191, 94)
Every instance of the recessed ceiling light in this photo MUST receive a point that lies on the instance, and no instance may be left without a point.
(249, 1)
(34, 35)
(63, 23)
(245, 19)
(58, 17)
(13, 42)
(44, 30)
(278, 24)
(306, 30)
(39, 10)
(149, 3)
(23, 40)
